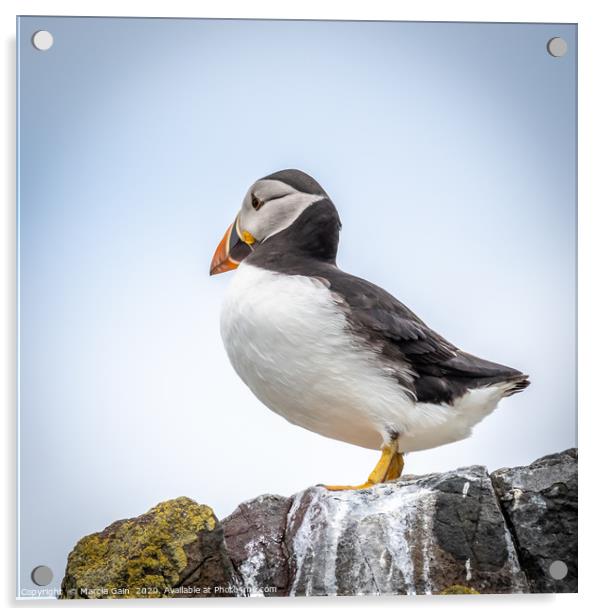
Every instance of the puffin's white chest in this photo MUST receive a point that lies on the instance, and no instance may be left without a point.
(287, 340)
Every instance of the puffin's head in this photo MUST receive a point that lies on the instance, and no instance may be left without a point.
(271, 205)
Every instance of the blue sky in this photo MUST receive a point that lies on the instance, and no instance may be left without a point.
(449, 150)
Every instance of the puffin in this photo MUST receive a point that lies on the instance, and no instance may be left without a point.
(334, 353)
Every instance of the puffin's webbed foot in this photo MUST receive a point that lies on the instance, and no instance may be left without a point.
(388, 467)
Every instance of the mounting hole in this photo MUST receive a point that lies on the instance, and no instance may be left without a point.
(557, 47)
(42, 40)
(42, 575)
(558, 570)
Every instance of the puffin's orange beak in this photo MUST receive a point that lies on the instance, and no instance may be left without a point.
(229, 252)
(221, 261)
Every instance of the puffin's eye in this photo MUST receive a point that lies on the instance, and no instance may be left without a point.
(255, 202)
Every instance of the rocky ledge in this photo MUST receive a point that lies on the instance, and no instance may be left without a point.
(462, 531)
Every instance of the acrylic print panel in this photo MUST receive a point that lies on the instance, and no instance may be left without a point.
(151, 462)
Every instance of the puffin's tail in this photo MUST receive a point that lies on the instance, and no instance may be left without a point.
(516, 384)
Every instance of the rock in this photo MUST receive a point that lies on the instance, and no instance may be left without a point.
(458, 532)
(174, 550)
(254, 535)
(412, 536)
(540, 504)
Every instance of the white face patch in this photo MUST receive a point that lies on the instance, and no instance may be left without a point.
(279, 205)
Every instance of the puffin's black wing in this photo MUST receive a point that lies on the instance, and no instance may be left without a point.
(440, 372)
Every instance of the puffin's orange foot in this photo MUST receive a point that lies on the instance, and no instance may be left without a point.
(388, 467)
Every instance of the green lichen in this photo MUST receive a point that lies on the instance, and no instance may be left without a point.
(458, 589)
(139, 557)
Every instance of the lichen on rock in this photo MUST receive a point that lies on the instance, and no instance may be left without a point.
(458, 589)
(152, 555)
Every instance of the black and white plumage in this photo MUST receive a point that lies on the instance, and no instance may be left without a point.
(332, 352)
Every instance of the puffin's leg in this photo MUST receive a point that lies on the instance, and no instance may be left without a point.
(388, 467)
(396, 467)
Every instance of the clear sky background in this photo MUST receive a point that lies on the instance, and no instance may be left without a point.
(449, 150)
